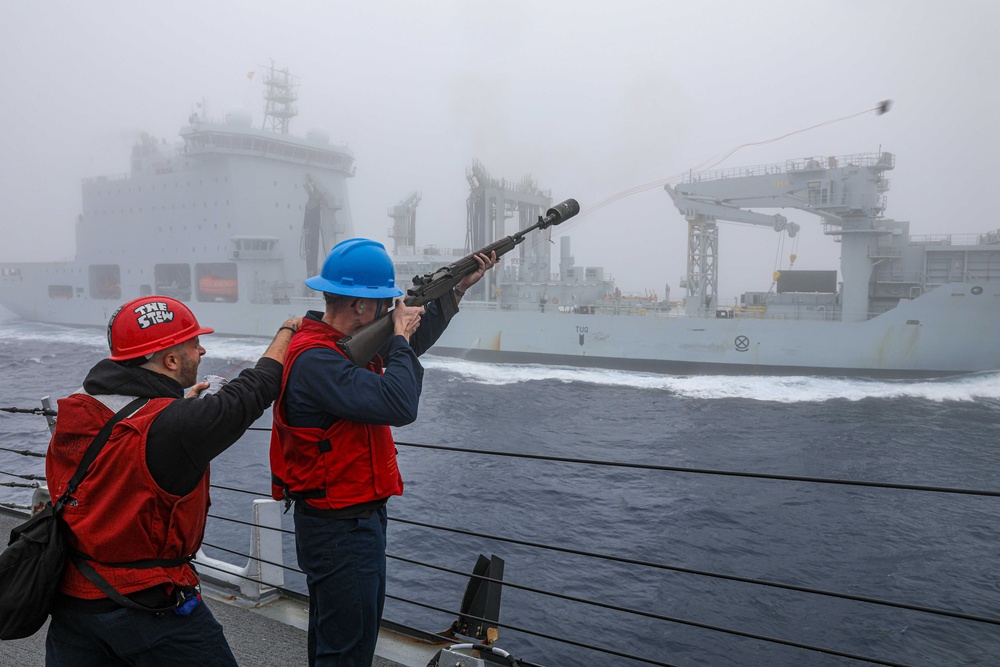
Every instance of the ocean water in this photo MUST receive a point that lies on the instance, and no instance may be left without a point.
(935, 550)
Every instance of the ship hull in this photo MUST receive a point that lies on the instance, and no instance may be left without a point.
(947, 331)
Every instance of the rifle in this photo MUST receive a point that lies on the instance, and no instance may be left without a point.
(366, 342)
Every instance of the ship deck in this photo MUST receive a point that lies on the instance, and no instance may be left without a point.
(267, 635)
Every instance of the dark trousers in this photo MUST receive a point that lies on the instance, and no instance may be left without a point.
(344, 563)
(126, 637)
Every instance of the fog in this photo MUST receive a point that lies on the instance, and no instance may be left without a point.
(592, 99)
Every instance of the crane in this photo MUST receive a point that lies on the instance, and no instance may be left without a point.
(846, 192)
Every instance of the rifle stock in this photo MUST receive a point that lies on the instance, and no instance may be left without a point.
(365, 343)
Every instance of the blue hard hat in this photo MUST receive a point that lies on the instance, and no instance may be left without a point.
(357, 267)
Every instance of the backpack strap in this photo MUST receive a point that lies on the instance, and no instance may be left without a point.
(80, 559)
(95, 578)
(95, 448)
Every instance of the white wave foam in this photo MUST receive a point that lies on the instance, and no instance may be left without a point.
(19, 330)
(783, 389)
(234, 349)
(239, 351)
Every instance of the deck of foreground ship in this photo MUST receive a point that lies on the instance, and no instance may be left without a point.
(269, 635)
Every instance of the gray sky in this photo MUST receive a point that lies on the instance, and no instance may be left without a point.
(592, 99)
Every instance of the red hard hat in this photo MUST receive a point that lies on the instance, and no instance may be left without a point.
(149, 324)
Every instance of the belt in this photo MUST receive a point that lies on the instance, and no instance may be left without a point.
(359, 511)
(148, 597)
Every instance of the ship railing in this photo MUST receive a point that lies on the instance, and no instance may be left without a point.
(906, 277)
(226, 141)
(885, 252)
(989, 238)
(638, 308)
(265, 567)
(886, 160)
(748, 312)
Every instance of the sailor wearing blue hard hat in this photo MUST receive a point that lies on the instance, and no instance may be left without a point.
(332, 452)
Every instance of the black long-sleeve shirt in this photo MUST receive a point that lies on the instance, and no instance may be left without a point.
(189, 433)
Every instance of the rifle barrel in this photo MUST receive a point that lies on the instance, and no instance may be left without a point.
(365, 343)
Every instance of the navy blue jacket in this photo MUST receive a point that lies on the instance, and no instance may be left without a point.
(341, 390)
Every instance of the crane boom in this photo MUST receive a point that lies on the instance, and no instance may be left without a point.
(846, 192)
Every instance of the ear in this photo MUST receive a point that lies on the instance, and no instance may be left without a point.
(171, 361)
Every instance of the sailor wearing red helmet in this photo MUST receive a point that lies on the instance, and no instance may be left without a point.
(139, 516)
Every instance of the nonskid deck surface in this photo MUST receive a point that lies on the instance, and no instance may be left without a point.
(256, 636)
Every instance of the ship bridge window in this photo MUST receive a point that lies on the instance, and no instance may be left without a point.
(255, 244)
(173, 280)
(217, 282)
(105, 281)
(254, 247)
(60, 291)
(819, 193)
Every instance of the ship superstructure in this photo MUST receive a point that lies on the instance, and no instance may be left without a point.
(231, 218)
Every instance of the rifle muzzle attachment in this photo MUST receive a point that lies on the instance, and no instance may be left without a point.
(560, 212)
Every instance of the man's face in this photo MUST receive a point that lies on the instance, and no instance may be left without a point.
(190, 353)
(379, 308)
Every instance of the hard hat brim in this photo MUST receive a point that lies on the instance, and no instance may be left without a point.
(321, 284)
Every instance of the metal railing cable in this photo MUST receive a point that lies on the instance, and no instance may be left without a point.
(578, 600)
(600, 556)
(40, 478)
(562, 596)
(209, 566)
(249, 523)
(259, 494)
(534, 633)
(31, 411)
(552, 637)
(23, 452)
(706, 573)
(709, 471)
(253, 558)
(648, 614)
(622, 464)
(443, 638)
(617, 608)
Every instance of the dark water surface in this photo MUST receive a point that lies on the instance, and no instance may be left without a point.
(929, 549)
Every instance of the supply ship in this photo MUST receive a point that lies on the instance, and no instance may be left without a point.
(232, 218)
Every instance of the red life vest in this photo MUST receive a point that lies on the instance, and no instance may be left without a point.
(120, 514)
(346, 464)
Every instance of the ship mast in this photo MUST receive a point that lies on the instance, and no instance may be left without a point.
(280, 96)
